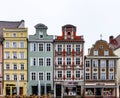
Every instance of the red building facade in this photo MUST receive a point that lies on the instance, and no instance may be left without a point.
(68, 63)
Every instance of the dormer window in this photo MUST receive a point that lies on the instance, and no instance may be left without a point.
(106, 53)
(95, 52)
(40, 35)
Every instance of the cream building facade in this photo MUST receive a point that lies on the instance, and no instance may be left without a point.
(15, 61)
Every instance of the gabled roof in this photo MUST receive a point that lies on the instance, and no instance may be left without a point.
(115, 43)
(9, 24)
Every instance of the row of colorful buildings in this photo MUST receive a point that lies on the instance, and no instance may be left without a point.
(41, 63)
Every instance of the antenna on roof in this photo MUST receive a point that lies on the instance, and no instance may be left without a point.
(100, 36)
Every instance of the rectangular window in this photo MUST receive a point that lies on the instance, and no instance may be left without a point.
(102, 63)
(7, 66)
(22, 55)
(22, 77)
(40, 75)
(95, 76)
(77, 48)
(95, 63)
(33, 47)
(111, 76)
(15, 66)
(68, 74)
(95, 52)
(14, 55)
(77, 74)
(14, 77)
(22, 66)
(78, 61)
(7, 77)
(87, 76)
(87, 64)
(7, 44)
(14, 44)
(33, 62)
(48, 61)
(48, 47)
(40, 47)
(59, 48)
(59, 74)
(68, 48)
(111, 63)
(68, 61)
(33, 76)
(21, 44)
(103, 76)
(59, 61)
(48, 76)
(106, 52)
(7, 55)
(40, 61)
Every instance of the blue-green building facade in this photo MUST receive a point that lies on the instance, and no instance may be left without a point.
(40, 61)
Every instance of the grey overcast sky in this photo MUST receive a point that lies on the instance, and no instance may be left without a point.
(91, 17)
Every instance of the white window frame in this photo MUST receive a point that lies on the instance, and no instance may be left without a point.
(7, 45)
(42, 76)
(95, 63)
(31, 76)
(22, 78)
(22, 44)
(32, 61)
(68, 48)
(50, 47)
(22, 56)
(77, 48)
(46, 76)
(22, 67)
(7, 66)
(106, 52)
(102, 63)
(59, 48)
(58, 74)
(50, 61)
(14, 55)
(87, 75)
(76, 61)
(14, 44)
(6, 78)
(39, 62)
(14, 77)
(68, 61)
(95, 52)
(33, 47)
(68, 74)
(40, 47)
(95, 74)
(101, 75)
(111, 64)
(59, 61)
(111, 76)
(87, 63)
(7, 55)
(78, 73)
(14, 66)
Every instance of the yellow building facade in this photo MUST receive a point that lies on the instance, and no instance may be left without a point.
(15, 61)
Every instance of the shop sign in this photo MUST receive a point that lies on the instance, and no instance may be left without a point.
(10, 84)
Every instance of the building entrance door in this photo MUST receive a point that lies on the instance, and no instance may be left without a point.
(34, 90)
(98, 91)
(58, 90)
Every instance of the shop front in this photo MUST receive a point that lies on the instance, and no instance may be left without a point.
(100, 91)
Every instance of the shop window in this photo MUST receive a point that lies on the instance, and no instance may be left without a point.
(108, 91)
(89, 91)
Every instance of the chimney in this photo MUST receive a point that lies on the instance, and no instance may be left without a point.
(88, 51)
(111, 38)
